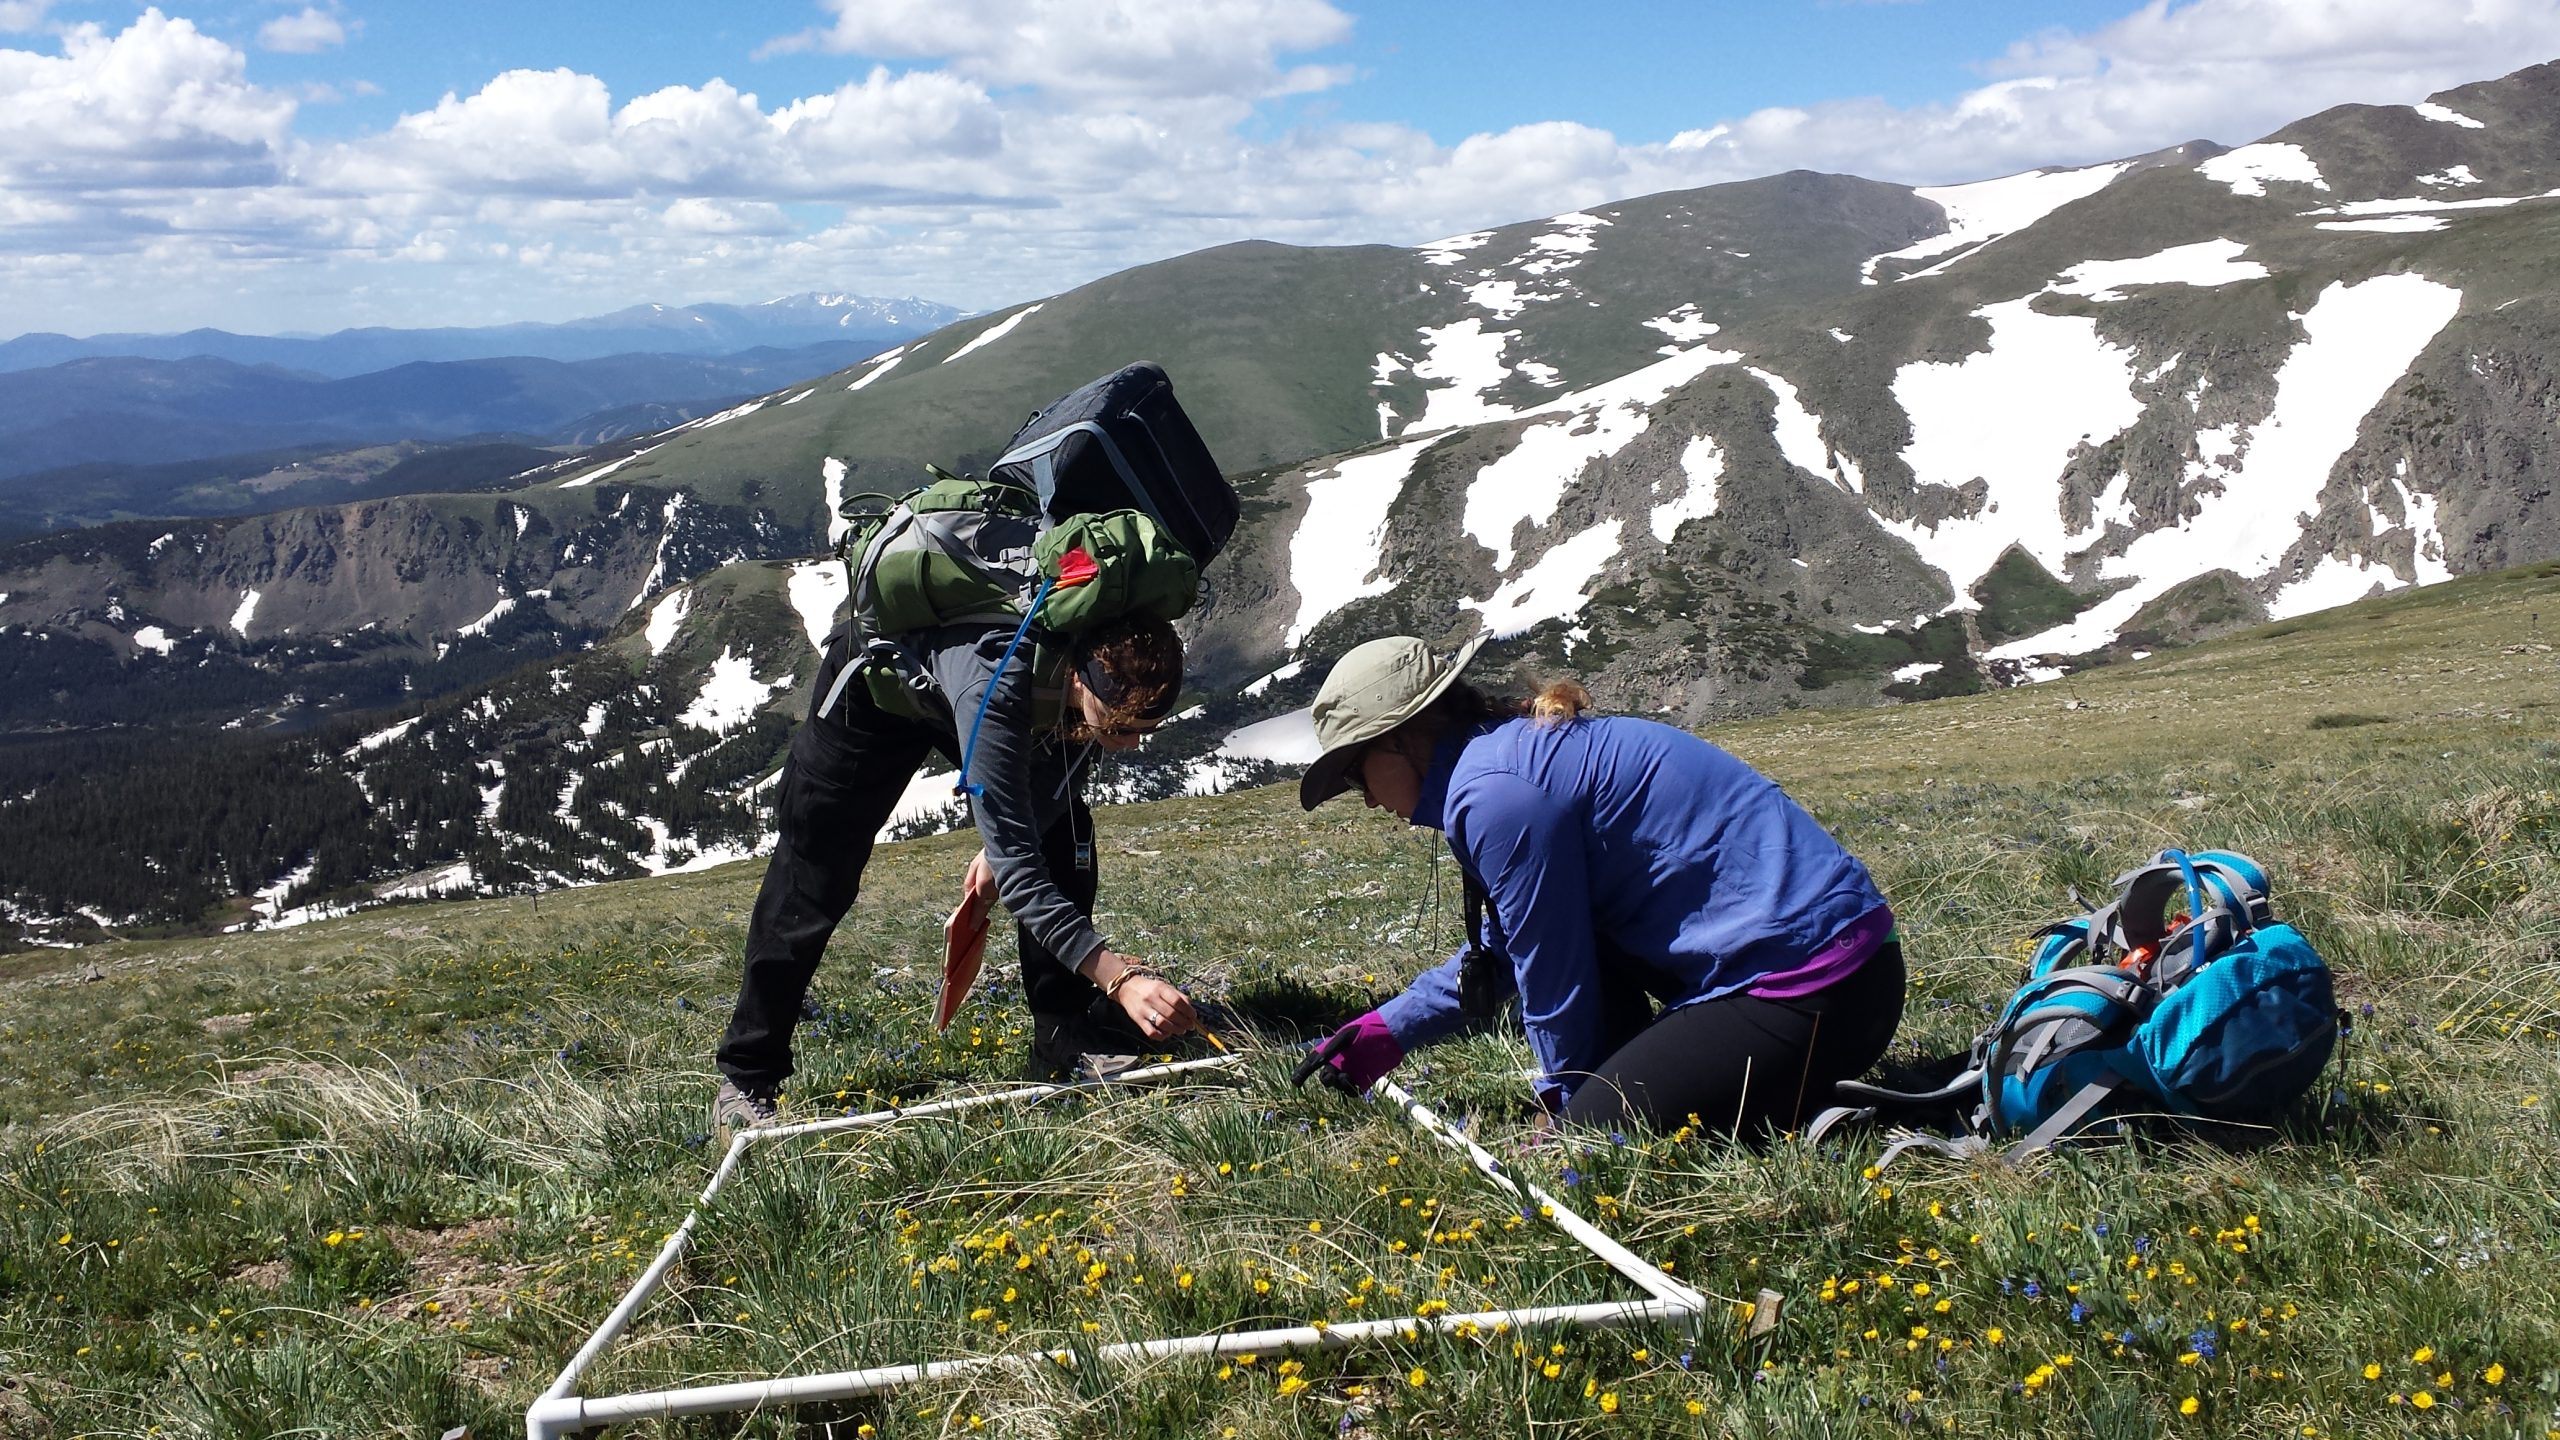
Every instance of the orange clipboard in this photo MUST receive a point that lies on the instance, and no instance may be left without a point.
(964, 947)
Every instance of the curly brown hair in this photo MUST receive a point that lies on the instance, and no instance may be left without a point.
(1142, 658)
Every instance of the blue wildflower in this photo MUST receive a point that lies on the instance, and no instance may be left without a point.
(1571, 1176)
(2034, 1290)
(2079, 1312)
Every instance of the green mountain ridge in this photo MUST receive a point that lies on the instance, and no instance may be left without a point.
(1806, 440)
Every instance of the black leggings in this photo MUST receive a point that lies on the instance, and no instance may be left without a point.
(1742, 1064)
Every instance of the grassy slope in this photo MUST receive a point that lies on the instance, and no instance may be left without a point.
(383, 1174)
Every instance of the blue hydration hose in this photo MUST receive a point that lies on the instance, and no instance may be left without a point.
(969, 751)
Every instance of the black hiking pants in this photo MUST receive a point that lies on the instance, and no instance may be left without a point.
(842, 778)
(1743, 1065)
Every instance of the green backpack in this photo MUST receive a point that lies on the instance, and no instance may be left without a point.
(963, 550)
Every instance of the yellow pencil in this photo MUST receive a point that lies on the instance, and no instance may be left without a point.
(1212, 1037)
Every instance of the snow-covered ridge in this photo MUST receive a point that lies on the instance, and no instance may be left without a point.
(1983, 211)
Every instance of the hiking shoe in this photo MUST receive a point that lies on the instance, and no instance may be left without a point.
(736, 1109)
(1097, 1043)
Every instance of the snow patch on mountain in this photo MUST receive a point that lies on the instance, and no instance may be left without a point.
(1702, 463)
(1254, 690)
(1983, 211)
(154, 639)
(880, 366)
(248, 608)
(996, 332)
(268, 904)
(2248, 169)
(2359, 339)
(1571, 431)
(1684, 326)
(454, 879)
(1453, 249)
(2445, 115)
(1554, 588)
(730, 695)
(669, 856)
(1798, 432)
(593, 476)
(1500, 298)
(382, 737)
(667, 517)
(1334, 557)
(929, 800)
(665, 619)
(817, 589)
(2205, 264)
(1283, 740)
(1460, 361)
(1529, 481)
(831, 473)
(481, 626)
(1563, 247)
(2450, 175)
(2011, 415)
(734, 412)
(2389, 224)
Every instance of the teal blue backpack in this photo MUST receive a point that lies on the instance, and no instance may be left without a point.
(2217, 1012)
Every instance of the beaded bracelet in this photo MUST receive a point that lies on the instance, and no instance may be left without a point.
(1126, 971)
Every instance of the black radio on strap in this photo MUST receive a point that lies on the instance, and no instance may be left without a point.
(1484, 973)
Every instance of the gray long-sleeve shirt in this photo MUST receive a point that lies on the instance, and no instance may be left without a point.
(1027, 777)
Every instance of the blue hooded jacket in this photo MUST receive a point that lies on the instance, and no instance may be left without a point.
(1622, 845)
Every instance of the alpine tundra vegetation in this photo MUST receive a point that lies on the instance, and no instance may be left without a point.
(384, 1173)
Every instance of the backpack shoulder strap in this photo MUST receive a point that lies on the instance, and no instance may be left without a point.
(2058, 1125)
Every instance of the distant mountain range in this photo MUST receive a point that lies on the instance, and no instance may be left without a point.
(129, 411)
(1802, 440)
(788, 322)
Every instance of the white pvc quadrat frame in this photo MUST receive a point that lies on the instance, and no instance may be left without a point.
(561, 1412)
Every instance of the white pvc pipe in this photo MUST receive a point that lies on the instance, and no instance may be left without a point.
(1625, 1261)
(558, 1412)
(553, 1417)
(676, 1244)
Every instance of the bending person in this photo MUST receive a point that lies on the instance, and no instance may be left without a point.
(1685, 941)
(846, 770)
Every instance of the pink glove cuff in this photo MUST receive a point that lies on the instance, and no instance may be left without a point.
(1371, 1052)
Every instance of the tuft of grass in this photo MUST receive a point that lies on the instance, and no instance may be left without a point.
(500, 1109)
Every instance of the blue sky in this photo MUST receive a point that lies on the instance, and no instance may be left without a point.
(1449, 67)
(268, 165)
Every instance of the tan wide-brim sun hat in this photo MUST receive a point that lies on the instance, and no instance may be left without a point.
(1372, 690)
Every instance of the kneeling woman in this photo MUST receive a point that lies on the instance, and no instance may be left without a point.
(1684, 939)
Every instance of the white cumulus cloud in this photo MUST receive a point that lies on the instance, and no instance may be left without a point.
(160, 104)
(308, 33)
(1143, 47)
(991, 151)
